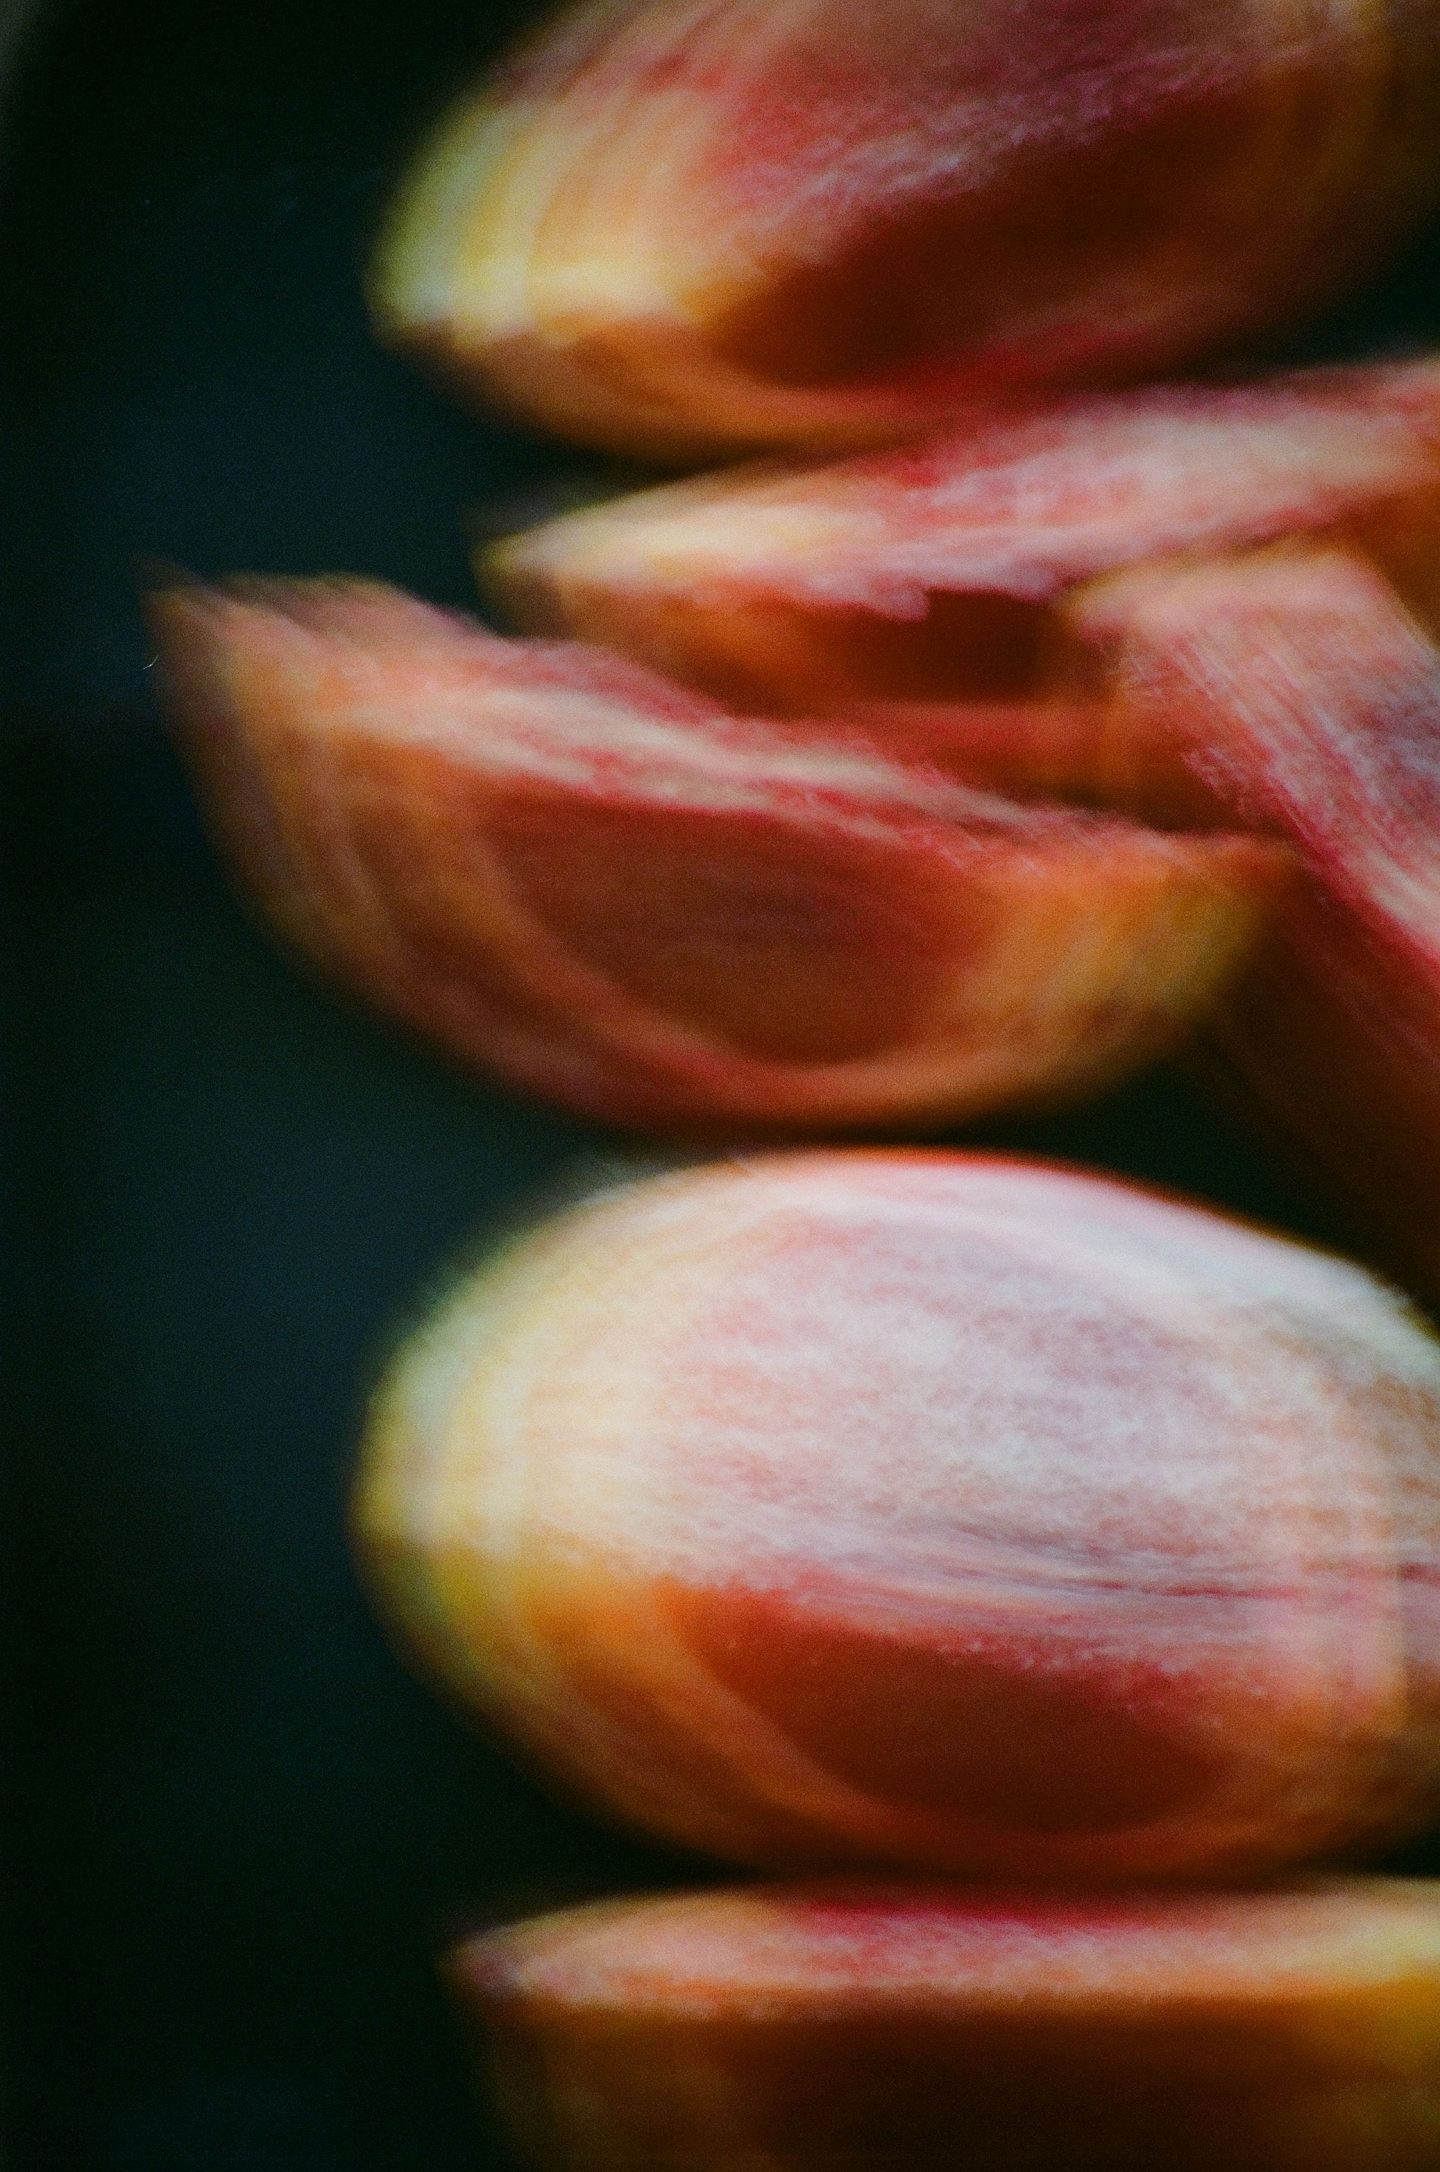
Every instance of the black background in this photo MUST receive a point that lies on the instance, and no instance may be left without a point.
(236, 1832)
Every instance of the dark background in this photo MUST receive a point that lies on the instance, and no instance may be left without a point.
(236, 1833)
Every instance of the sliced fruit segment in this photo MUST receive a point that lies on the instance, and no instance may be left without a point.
(573, 872)
(698, 225)
(814, 2028)
(917, 590)
(930, 1509)
(1308, 701)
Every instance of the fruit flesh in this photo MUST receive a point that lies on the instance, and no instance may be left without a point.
(921, 591)
(1308, 701)
(904, 2028)
(933, 1510)
(608, 890)
(687, 228)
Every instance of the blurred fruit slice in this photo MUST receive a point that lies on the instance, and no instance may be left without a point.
(812, 2029)
(604, 888)
(1308, 702)
(929, 1509)
(917, 590)
(692, 226)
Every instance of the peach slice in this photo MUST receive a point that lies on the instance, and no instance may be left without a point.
(610, 891)
(681, 227)
(919, 590)
(930, 1509)
(810, 2029)
(1309, 703)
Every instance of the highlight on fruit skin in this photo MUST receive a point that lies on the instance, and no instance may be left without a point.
(686, 227)
(921, 590)
(570, 872)
(811, 2028)
(1308, 701)
(932, 1510)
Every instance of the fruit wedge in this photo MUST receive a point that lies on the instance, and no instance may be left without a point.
(929, 1509)
(814, 2029)
(1308, 701)
(605, 889)
(680, 227)
(919, 590)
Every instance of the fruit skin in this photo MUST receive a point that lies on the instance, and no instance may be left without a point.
(696, 226)
(929, 1509)
(1307, 701)
(921, 591)
(921, 2030)
(574, 874)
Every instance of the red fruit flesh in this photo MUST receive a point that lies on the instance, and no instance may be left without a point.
(1309, 703)
(699, 225)
(571, 872)
(927, 1509)
(811, 2029)
(919, 591)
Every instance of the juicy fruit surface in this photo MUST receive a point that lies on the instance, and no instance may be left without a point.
(891, 585)
(574, 873)
(932, 1509)
(1291, 2031)
(692, 226)
(1309, 701)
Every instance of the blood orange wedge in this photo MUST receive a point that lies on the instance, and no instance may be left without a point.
(1309, 702)
(687, 226)
(570, 871)
(918, 590)
(929, 1509)
(815, 2028)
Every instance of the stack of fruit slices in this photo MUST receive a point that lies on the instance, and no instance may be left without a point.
(695, 908)
(917, 1512)
(979, 1520)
